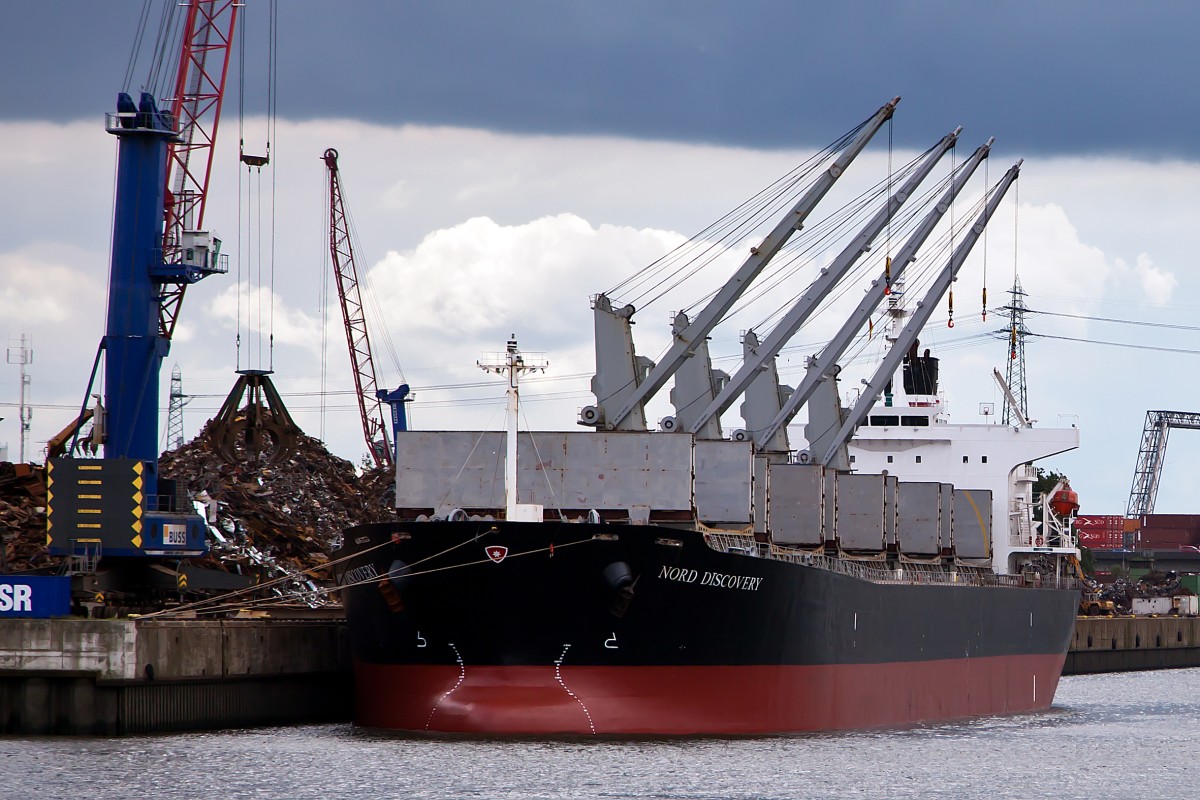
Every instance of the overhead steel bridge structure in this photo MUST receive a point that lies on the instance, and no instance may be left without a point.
(1151, 455)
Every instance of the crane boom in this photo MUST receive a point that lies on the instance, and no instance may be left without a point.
(707, 319)
(820, 366)
(820, 288)
(341, 250)
(199, 89)
(921, 314)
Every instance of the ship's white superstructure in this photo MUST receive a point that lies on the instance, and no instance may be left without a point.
(913, 440)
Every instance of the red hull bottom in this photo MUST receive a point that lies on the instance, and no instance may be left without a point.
(532, 700)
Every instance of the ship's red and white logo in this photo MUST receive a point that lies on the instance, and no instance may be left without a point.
(496, 552)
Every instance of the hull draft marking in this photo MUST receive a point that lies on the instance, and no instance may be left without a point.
(462, 675)
(558, 677)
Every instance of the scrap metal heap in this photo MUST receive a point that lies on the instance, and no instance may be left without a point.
(1123, 591)
(22, 517)
(288, 510)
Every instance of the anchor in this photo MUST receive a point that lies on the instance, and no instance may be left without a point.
(261, 430)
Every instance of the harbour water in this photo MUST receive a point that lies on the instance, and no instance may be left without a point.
(1122, 734)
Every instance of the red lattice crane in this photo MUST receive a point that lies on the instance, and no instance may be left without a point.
(199, 88)
(341, 250)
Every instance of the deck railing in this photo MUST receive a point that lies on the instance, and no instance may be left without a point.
(878, 570)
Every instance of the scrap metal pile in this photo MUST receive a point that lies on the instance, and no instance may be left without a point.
(1123, 591)
(22, 517)
(283, 515)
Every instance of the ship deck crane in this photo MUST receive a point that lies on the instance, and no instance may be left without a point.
(1151, 454)
(804, 307)
(366, 385)
(633, 394)
(832, 448)
(822, 366)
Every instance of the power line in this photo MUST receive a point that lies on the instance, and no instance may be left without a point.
(1140, 323)
(1119, 344)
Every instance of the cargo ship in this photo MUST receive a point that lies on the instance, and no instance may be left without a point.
(469, 623)
(622, 581)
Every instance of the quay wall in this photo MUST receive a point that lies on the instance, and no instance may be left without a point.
(103, 677)
(1121, 644)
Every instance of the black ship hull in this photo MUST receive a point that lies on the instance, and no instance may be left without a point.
(557, 628)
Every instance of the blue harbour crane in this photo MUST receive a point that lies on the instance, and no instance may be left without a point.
(117, 505)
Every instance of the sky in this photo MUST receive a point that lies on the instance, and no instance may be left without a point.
(505, 162)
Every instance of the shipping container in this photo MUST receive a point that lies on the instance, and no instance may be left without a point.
(1165, 538)
(1101, 540)
(1101, 532)
(1189, 522)
(1144, 606)
(1100, 522)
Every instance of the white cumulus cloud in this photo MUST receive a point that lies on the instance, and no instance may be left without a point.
(1158, 284)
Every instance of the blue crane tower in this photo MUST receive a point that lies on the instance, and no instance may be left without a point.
(117, 505)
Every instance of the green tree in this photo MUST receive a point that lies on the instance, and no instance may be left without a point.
(1086, 562)
(1045, 483)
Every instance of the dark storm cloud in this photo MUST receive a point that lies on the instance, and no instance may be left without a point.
(1050, 77)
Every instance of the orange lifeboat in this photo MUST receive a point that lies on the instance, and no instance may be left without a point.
(1065, 501)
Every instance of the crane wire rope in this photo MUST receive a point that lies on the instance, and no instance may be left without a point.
(733, 224)
(983, 299)
(537, 454)
(138, 38)
(887, 246)
(241, 52)
(833, 229)
(749, 222)
(260, 319)
(272, 103)
(732, 221)
(738, 225)
(851, 214)
(768, 211)
(843, 286)
(326, 268)
(819, 237)
(854, 217)
(924, 274)
(373, 314)
(166, 42)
